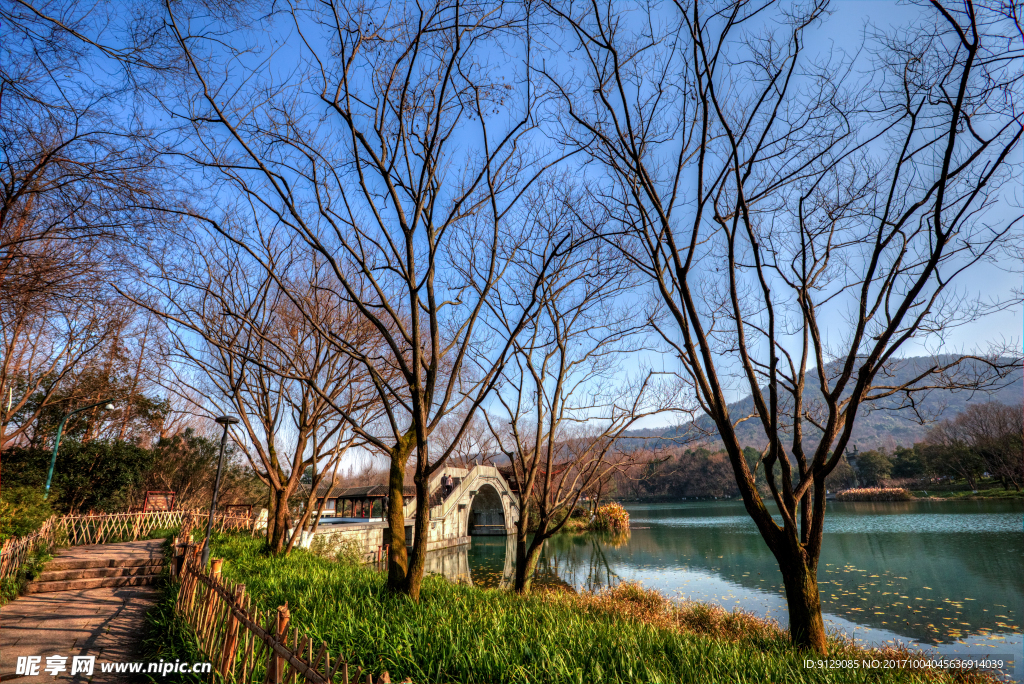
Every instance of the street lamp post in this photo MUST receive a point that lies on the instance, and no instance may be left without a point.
(60, 431)
(226, 421)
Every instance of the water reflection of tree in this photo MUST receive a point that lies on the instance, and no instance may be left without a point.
(579, 561)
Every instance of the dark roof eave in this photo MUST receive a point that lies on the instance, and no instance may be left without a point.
(371, 492)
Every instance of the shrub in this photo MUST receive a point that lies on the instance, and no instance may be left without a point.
(22, 511)
(101, 475)
(611, 518)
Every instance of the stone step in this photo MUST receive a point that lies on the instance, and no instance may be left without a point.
(84, 563)
(39, 587)
(89, 573)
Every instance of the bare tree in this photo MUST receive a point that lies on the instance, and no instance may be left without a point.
(987, 436)
(998, 434)
(241, 346)
(566, 377)
(75, 178)
(397, 151)
(186, 464)
(803, 226)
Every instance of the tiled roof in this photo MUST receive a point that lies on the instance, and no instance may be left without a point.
(371, 492)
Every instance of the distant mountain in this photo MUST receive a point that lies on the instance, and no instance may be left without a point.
(873, 428)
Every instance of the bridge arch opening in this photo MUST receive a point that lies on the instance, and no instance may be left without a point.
(486, 513)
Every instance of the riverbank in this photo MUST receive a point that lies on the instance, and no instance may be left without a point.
(460, 633)
(900, 494)
(962, 492)
(986, 491)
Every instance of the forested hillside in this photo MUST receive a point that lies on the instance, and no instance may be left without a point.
(882, 428)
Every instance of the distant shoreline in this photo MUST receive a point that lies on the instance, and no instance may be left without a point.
(917, 495)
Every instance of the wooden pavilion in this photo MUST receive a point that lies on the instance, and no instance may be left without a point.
(355, 502)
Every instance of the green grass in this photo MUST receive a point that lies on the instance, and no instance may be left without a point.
(167, 636)
(466, 634)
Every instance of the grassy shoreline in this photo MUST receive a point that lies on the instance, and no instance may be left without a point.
(467, 634)
(967, 495)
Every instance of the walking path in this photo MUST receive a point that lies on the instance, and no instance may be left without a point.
(104, 622)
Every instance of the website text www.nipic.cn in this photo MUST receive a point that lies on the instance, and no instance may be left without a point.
(34, 666)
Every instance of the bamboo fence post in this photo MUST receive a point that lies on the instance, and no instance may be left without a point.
(275, 669)
(215, 566)
(227, 664)
(211, 605)
(175, 554)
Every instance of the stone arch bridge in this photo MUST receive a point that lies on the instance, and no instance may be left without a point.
(480, 503)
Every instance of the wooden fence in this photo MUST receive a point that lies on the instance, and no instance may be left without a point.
(14, 552)
(242, 644)
(75, 530)
(245, 645)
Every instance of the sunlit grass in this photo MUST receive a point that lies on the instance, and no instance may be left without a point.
(458, 633)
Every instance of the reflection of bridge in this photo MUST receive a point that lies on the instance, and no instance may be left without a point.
(481, 503)
(453, 563)
(489, 562)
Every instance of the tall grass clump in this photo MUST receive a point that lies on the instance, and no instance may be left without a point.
(344, 551)
(875, 494)
(459, 633)
(611, 518)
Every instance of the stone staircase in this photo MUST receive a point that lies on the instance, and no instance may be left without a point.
(111, 565)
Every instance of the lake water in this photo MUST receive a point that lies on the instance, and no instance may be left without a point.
(947, 576)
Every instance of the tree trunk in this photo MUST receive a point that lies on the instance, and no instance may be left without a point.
(520, 584)
(300, 526)
(418, 562)
(319, 513)
(280, 521)
(398, 559)
(271, 513)
(806, 628)
(528, 553)
(526, 563)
